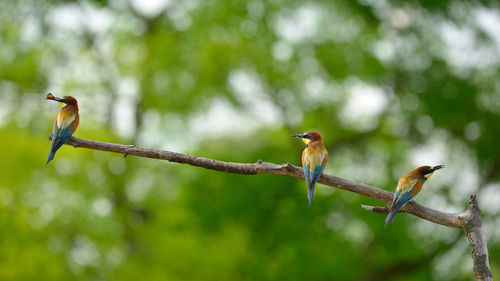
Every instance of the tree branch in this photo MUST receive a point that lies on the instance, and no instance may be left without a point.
(472, 226)
(477, 242)
(469, 221)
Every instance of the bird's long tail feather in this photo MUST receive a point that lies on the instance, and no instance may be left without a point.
(50, 157)
(393, 211)
(310, 193)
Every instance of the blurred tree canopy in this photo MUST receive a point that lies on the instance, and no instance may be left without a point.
(390, 85)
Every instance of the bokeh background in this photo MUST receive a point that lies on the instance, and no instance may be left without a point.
(390, 85)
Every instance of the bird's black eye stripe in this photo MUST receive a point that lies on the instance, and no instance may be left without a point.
(428, 171)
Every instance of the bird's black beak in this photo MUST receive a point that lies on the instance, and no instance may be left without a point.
(298, 135)
(435, 168)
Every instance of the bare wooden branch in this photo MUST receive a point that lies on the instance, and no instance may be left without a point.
(469, 221)
(477, 242)
(376, 209)
(260, 167)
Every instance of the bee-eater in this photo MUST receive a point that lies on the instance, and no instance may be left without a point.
(65, 124)
(314, 158)
(408, 188)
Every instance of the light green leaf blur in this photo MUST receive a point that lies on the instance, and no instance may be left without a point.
(390, 85)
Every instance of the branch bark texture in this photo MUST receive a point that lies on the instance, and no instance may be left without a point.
(469, 221)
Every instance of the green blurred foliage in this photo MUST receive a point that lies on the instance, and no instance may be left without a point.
(390, 85)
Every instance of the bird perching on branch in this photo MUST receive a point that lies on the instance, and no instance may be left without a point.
(408, 188)
(314, 158)
(65, 124)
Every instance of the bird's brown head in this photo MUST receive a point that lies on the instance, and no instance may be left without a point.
(69, 100)
(66, 100)
(309, 137)
(427, 171)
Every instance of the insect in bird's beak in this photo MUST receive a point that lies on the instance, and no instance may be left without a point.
(61, 101)
(50, 96)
